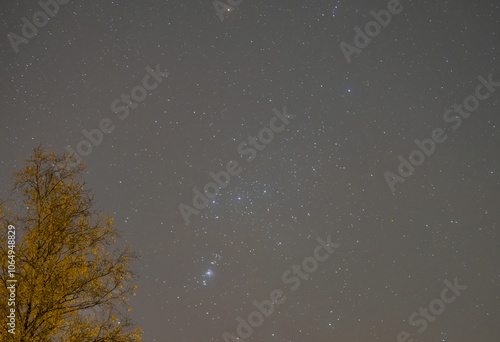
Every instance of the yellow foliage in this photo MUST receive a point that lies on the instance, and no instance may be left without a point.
(66, 260)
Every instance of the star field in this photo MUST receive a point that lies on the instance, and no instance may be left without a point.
(321, 176)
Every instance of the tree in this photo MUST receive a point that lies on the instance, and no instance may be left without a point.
(72, 282)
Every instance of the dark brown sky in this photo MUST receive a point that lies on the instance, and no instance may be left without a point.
(321, 175)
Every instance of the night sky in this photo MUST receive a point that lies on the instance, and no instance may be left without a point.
(304, 119)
